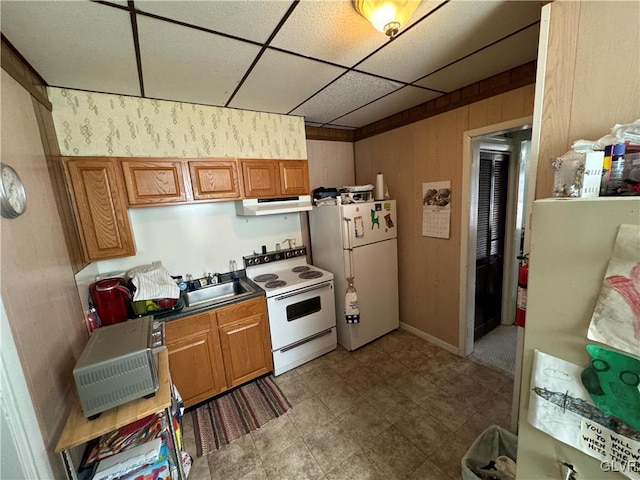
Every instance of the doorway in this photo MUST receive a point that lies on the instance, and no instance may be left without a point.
(494, 156)
(494, 228)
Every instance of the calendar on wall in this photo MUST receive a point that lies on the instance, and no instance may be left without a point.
(436, 209)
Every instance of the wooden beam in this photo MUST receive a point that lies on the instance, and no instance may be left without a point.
(502, 82)
(23, 73)
(331, 134)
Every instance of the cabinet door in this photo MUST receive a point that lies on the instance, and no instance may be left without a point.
(246, 346)
(101, 209)
(195, 357)
(212, 179)
(294, 177)
(152, 182)
(260, 178)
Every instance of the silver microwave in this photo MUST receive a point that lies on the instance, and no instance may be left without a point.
(117, 365)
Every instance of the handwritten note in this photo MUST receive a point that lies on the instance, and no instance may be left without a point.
(618, 453)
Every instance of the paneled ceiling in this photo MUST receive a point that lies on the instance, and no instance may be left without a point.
(315, 58)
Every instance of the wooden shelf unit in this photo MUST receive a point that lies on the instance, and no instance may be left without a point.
(79, 430)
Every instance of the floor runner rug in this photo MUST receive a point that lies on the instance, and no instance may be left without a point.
(228, 417)
(497, 350)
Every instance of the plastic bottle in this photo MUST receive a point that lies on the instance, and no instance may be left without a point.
(606, 169)
(616, 186)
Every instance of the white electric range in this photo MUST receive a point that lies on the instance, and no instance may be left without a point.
(300, 305)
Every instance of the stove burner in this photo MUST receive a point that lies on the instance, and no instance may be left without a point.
(275, 283)
(301, 268)
(265, 277)
(310, 274)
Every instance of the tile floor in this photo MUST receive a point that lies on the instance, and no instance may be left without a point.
(398, 408)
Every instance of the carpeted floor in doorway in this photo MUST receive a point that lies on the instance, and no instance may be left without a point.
(497, 349)
(244, 409)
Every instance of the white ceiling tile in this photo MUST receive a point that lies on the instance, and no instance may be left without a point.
(253, 20)
(180, 63)
(395, 102)
(455, 30)
(71, 44)
(333, 31)
(509, 53)
(280, 82)
(345, 94)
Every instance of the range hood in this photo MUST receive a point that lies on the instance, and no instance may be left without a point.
(272, 206)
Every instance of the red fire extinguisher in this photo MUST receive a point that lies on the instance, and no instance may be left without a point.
(521, 302)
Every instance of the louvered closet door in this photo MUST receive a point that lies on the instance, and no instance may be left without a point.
(492, 208)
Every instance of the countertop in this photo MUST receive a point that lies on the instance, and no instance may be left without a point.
(187, 311)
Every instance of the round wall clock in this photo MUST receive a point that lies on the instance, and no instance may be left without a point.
(13, 198)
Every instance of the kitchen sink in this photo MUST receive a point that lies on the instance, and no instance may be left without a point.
(217, 293)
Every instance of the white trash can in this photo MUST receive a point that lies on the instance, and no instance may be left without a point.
(494, 442)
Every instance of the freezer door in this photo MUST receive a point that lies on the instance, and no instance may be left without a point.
(376, 281)
(371, 222)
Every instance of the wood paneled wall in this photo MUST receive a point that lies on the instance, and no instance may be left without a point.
(330, 163)
(426, 151)
(38, 287)
(591, 77)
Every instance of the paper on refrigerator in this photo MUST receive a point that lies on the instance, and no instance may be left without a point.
(560, 406)
(616, 316)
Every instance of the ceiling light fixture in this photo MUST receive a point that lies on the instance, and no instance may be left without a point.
(387, 16)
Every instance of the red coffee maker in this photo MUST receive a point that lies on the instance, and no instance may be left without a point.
(111, 299)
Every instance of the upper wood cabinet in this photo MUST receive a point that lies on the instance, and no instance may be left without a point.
(273, 178)
(260, 178)
(100, 206)
(294, 177)
(155, 181)
(212, 179)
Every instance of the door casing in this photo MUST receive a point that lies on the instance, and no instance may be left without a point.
(469, 194)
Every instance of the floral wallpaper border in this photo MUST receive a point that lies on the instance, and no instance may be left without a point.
(99, 124)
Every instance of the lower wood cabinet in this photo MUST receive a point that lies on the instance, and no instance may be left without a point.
(219, 349)
(195, 357)
(244, 336)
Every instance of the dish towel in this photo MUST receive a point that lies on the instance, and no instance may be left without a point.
(351, 309)
(151, 282)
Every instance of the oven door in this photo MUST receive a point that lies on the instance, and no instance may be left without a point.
(297, 315)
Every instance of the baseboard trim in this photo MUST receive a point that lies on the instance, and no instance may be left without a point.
(429, 338)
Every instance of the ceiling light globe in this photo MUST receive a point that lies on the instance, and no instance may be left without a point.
(387, 16)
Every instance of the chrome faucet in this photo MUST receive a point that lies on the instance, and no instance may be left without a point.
(290, 241)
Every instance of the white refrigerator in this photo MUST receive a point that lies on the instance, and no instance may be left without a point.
(359, 240)
(571, 244)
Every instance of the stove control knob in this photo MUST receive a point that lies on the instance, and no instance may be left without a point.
(265, 258)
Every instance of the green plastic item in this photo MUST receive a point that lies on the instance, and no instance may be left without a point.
(613, 382)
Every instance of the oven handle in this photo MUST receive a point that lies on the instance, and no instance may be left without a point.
(304, 290)
(306, 340)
